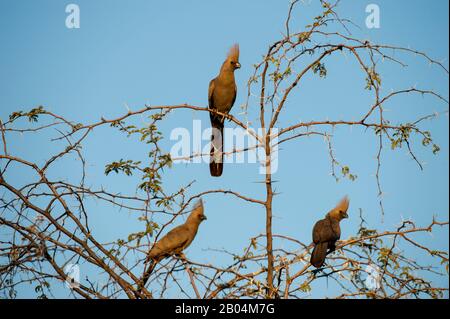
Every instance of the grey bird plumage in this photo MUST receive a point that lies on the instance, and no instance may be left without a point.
(327, 231)
(221, 97)
(175, 241)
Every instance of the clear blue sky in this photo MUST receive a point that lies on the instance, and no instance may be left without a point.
(137, 52)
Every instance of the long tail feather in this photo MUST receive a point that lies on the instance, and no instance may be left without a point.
(146, 275)
(216, 157)
(318, 255)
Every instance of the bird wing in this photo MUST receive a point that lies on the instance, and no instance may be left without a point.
(173, 242)
(210, 93)
(323, 232)
(234, 97)
(318, 231)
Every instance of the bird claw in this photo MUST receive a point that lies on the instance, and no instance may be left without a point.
(316, 271)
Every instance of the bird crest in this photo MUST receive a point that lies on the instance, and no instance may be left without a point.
(343, 204)
(233, 54)
(197, 213)
(340, 211)
(198, 206)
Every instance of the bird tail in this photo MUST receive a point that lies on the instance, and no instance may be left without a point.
(318, 255)
(216, 156)
(146, 275)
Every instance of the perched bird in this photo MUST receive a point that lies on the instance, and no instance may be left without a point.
(327, 231)
(175, 241)
(221, 97)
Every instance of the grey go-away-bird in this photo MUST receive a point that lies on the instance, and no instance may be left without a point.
(327, 231)
(221, 96)
(175, 241)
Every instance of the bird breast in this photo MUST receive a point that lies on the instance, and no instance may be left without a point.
(336, 228)
(223, 98)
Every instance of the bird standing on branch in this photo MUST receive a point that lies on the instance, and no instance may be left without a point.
(174, 242)
(221, 96)
(327, 231)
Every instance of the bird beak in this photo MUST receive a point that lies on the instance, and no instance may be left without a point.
(238, 65)
(204, 217)
(345, 215)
